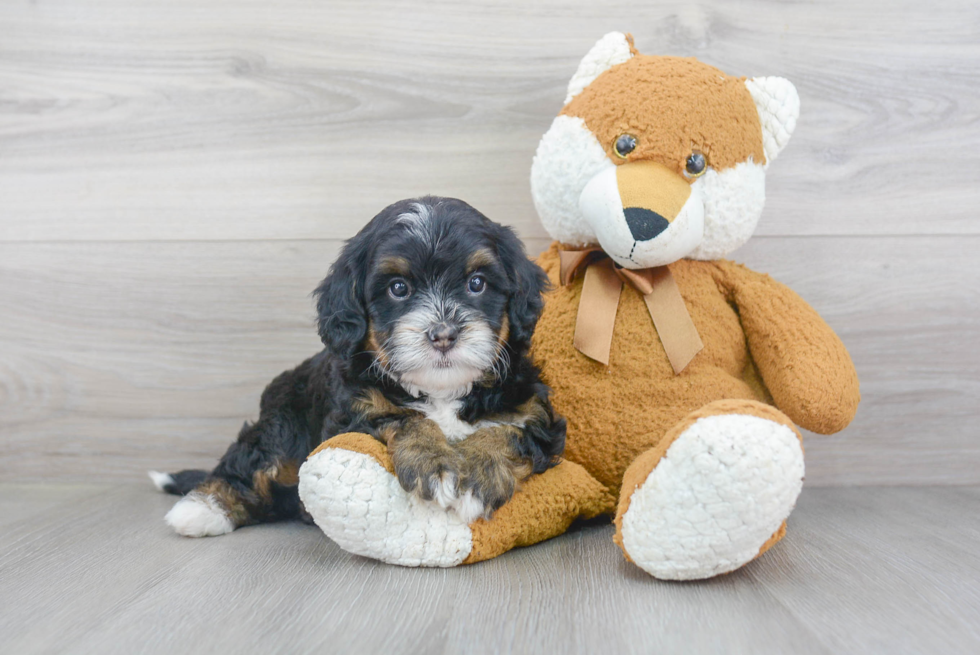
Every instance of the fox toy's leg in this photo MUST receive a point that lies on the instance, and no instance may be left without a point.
(349, 487)
(714, 494)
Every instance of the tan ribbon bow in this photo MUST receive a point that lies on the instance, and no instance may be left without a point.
(600, 298)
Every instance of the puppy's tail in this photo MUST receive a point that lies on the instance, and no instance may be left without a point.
(178, 484)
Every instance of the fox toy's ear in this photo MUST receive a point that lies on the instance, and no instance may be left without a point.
(778, 105)
(614, 48)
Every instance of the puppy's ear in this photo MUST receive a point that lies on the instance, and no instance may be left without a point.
(340, 306)
(527, 281)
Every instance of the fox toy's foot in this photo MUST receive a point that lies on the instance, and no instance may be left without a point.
(714, 494)
(349, 488)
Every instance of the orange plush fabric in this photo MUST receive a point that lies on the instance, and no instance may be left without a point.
(619, 411)
(542, 508)
(359, 443)
(707, 110)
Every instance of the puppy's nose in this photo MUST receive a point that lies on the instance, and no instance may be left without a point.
(442, 336)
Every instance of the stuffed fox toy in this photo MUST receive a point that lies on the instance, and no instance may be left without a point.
(683, 376)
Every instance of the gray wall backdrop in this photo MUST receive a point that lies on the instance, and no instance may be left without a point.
(177, 175)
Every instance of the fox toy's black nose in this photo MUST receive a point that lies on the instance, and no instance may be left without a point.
(442, 336)
(644, 224)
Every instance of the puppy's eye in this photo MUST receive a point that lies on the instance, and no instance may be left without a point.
(399, 289)
(477, 284)
(625, 144)
(696, 165)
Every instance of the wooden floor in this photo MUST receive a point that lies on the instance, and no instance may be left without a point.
(93, 569)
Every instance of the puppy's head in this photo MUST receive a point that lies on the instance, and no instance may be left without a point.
(435, 293)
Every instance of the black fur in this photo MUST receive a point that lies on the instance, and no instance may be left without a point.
(315, 401)
(184, 482)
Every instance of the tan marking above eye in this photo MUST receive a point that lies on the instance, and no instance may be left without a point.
(394, 266)
(479, 259)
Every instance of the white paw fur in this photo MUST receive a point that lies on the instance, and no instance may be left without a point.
(724, 487)
(361, 507)
(197, 515)
(445, 493)
(444, 490)
(468, 507)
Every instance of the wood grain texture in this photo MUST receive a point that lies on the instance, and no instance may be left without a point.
(176, 176)
(862, 570)
(120, 357)
(173, 119)
(19, 501)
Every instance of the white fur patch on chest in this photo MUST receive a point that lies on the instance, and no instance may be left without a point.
(445, 413)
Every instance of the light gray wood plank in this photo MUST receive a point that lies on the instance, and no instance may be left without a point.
(20, 501)
(117, 358)
(302, 594)
(169, 119)
(857, 573)
(891, 560)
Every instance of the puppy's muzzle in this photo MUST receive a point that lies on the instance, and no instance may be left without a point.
(443, 336)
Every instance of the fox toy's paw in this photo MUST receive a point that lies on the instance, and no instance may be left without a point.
(349, 487)
(715, 495)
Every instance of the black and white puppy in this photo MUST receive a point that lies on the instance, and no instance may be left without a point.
(426, 316)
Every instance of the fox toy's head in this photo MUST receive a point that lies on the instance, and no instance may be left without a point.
(659, 158)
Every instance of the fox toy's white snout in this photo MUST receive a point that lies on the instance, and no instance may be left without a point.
(637, 236)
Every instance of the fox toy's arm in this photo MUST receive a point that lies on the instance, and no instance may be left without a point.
(802, 362)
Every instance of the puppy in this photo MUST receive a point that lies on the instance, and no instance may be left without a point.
(426, 316)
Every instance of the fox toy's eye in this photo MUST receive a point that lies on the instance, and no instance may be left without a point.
(696, 165)
(399, 289)
(477, 284)
(624, 145)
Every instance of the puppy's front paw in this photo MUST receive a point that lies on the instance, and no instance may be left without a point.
(469, 508)
(488, 482)
(432, 475)
(444, 488)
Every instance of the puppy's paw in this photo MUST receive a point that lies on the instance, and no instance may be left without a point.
(469, 508)
(444, 489)
(488, 483)
(199, 515)
(431, 476)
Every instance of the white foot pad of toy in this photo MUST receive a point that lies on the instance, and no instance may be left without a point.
(724, 487)
(361, 507)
